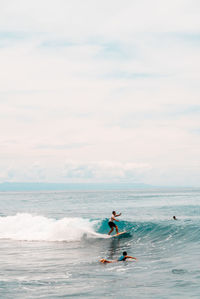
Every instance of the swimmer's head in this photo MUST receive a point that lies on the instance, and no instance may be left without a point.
(124, 253)
(174, 217)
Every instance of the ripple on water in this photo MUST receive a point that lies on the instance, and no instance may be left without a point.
(179, 271)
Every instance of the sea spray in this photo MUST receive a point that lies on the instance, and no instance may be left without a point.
(24, 226)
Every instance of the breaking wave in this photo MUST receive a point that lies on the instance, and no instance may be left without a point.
(30, 227)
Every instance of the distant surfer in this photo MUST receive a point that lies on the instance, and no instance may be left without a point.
(122, 258)
(174, 217)
(111, 222)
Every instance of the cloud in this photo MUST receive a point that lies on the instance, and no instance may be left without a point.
(77, 171)
(104, 170)
(30, 173)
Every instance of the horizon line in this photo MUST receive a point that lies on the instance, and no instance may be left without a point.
(84, 186)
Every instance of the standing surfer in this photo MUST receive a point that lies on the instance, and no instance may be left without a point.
(111, 222)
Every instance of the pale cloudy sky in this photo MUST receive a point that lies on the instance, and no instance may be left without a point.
(100, 91)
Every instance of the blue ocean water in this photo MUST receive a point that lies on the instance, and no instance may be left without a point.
(51, 244)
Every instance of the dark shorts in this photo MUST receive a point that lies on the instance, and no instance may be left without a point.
(111, 224)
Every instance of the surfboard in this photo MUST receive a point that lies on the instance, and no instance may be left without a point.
(122, 233)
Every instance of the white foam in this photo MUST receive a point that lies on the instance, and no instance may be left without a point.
(24, 226)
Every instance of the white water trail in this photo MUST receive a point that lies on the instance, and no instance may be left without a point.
(24, 226)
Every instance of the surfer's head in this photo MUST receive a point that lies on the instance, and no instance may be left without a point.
(174, 217)
(113, 212)
(124, 253)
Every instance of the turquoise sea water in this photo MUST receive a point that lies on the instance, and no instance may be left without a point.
(51, 242)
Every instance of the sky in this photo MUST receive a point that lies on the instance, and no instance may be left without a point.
(100, 91)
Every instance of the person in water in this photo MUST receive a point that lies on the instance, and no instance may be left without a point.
(174, 217)
(120, 259)
(111, 222)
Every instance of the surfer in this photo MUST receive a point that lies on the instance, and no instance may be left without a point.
(174, 217)
(123, 257)
(111, 222)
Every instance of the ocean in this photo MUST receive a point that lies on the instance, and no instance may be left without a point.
(51, 244)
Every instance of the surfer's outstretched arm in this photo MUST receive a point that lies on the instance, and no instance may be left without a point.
(131, 257)
(118, 215)
(115, 219)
